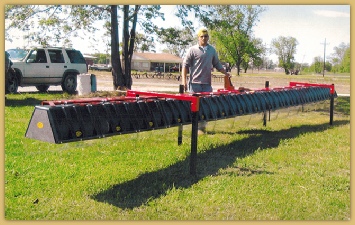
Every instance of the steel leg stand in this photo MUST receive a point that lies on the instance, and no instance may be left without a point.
(331, 109)
(180, 128)
(194, 135)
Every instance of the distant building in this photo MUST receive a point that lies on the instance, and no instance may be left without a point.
(89, 59)
(148, 61)
(151, 61)
(279, 69)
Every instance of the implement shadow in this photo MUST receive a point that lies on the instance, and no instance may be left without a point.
(28, 101)
(151, 185)
(22, 102)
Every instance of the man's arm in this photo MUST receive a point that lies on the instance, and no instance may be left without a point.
(217, 64)
(184, 77)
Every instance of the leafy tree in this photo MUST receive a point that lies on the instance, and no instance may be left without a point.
(231, 27)
(122, 72)
(256, 50)
(101, 58)
(53, 24)
(341, 58)
(305, 68)
(58, 23)
(267, 63)
(285, 48)
(317, 65)
(340, 51)
(222, 53)
(144, 43)
(345, 65)
(177, 40)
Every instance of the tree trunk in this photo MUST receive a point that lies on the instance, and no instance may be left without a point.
(121, 70)
(125, 41)
(238, 69)
(117, 75)
(131, 48)
(245, 69)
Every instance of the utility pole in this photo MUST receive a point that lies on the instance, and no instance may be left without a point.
(325, 42)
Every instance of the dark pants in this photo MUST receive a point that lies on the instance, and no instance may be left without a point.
(197, 88)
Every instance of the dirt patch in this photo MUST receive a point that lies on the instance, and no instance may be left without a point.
(254, 81)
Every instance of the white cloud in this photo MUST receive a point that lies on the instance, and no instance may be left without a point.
(333, 14)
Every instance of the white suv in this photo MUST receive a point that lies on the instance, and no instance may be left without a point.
(43, 67)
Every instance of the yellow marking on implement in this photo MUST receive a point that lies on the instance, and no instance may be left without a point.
(78, 133)
(40, 125)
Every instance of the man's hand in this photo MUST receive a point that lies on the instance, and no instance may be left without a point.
(227, 74)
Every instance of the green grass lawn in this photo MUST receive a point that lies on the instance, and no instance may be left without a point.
(295, 168)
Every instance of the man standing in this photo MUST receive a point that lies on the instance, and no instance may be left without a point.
(199, 61)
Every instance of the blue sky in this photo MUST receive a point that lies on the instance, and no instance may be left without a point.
(309, 24)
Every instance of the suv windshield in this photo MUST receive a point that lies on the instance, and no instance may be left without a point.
(75, 56)
(17, 54)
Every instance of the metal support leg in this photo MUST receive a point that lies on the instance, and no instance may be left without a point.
(194, 134)
(180, 128)
(331, 109)
(267, 84)
(264, 118)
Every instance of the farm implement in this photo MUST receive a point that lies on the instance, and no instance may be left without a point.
(89, 118)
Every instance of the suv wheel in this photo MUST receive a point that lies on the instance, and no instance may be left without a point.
(42, 88)
(12, 83)
(69, 83)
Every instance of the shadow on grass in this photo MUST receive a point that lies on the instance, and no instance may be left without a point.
(22, 102)
(13, 100)
(151, 185)
(35, 98)
(342, 105)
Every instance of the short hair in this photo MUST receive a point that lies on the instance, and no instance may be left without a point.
(202, 31)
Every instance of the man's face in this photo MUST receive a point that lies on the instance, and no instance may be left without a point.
(203, 39)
